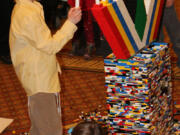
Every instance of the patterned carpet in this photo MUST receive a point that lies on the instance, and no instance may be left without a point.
(78, 63)
(83, 92)
(13, 102)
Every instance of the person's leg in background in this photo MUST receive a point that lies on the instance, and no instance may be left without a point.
(102, 47)
(44, 114)
(5, 14)
(171, 23)
(173, 30)
(89, 34)
(78, 41)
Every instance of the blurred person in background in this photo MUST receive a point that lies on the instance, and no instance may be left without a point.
(172, 25)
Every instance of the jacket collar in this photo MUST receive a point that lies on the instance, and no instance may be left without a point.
(29, 2)
(26, 1)
(23, 1)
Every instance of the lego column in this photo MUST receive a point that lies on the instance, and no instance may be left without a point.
(139, 92)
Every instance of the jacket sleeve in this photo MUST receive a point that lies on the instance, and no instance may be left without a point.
(35, 30)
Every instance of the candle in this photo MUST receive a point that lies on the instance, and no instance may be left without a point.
(97, 2)
(77, 4)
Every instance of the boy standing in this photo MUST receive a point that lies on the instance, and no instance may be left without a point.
(33, 52)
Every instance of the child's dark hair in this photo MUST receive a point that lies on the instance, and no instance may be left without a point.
(88, 128)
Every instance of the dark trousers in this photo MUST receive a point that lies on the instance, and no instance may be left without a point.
(44, 115)
(172, 25)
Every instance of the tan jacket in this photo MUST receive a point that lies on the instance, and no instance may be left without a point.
(33, 49)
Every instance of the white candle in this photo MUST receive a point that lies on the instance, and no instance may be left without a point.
(97, 2)
(77, 3)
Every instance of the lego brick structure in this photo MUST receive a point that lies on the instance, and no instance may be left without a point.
(128, 31)
(139, 92)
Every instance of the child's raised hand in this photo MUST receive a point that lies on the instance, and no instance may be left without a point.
(74, 15)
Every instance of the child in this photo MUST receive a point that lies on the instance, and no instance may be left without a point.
(33, 52)
(88, 128)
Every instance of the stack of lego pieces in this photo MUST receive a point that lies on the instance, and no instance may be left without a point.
(176, 128)
(139, 92)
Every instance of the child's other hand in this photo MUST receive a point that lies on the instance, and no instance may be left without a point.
(74, 15)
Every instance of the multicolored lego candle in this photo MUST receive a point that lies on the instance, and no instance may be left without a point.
(128, 32)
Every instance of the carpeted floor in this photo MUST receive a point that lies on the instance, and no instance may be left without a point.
(82, 91)
(13, 103)
(78, 63)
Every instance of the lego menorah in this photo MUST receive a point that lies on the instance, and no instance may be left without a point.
(138, 72)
